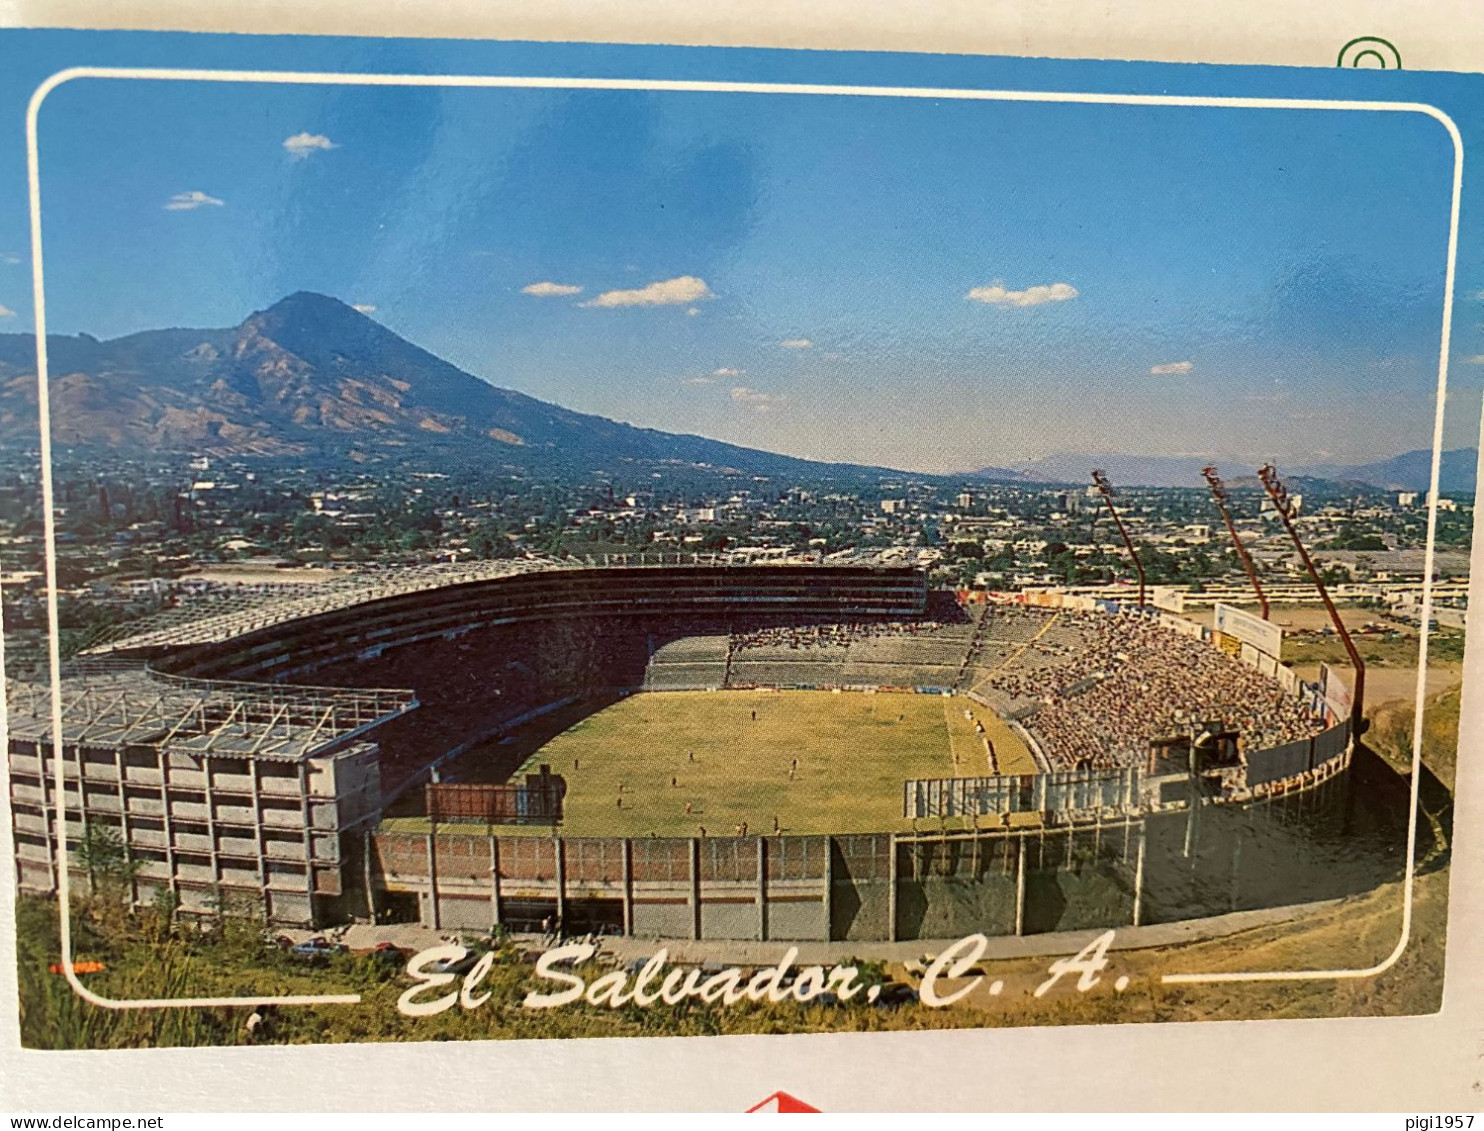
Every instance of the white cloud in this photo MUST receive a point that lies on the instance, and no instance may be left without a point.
(6, 312)
(997, 295)
(546, 289)
(700, 380)
(303, 144)
(680, 291)
(364, 307)
(1170, 367)
(726, 371)
(758, 402)
(693, 311)
(1476, 359)
(8, 259)
(186, 201)
(797, 344)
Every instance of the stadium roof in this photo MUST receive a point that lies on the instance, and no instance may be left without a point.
(230, 611)
(115, 706)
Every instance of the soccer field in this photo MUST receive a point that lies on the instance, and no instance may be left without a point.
(730, 756)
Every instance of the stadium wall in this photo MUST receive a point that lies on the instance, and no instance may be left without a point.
(208, 830)
(883, 887)
(294, 649)
(862, 888)
(870, 887)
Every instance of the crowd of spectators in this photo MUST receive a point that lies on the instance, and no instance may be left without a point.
(825, 634)
(1105, 685)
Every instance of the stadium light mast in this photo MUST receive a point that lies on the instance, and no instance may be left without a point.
(1100, 480)
(1218, 492)
(1279, 494)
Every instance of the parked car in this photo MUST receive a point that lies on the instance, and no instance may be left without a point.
(318, 949)
(390, 953)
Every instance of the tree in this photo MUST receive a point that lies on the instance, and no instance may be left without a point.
(111, 869)
(488, 542)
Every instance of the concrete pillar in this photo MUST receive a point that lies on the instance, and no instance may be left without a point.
(628, 887)
(165, 822)
(308, 840)
(892, 878)
(496, 911)
(1139, 875)
(216, 863)
(1020, 889)
(118, 762)
(561, 881)
(257, 834)
(762, 889)
(1190, 814)
(366, 875)
(82, 804)
(49, 816)
(695, 887)
(432, 885)
(829, 887)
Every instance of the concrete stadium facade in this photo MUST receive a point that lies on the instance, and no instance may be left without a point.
(225, 775)
(250, 758)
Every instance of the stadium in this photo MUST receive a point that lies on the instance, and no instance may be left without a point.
(697, 749)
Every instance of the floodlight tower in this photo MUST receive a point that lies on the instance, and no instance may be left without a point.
(1218, 492)
(1279, 494)
(1100, 480)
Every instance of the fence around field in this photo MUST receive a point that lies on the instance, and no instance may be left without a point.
(538, 801)
(1295, 759)
(1114, 792)
(1091, 795)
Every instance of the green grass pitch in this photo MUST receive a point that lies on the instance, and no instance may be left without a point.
(730, 756)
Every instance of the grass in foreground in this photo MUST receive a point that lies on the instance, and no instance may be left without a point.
(171, 961)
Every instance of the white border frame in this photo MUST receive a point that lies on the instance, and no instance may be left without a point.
(33, 174)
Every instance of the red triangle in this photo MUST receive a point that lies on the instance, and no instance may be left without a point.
(782, 1103)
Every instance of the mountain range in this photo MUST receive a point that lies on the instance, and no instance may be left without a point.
(1410, 471)
(311, 374)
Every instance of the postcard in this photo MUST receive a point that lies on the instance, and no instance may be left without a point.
(505, 542)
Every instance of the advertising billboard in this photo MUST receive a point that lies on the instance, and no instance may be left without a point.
(1261, 634)
(1168, 598)
(1336, 692)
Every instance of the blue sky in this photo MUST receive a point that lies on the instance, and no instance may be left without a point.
(930, 285)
